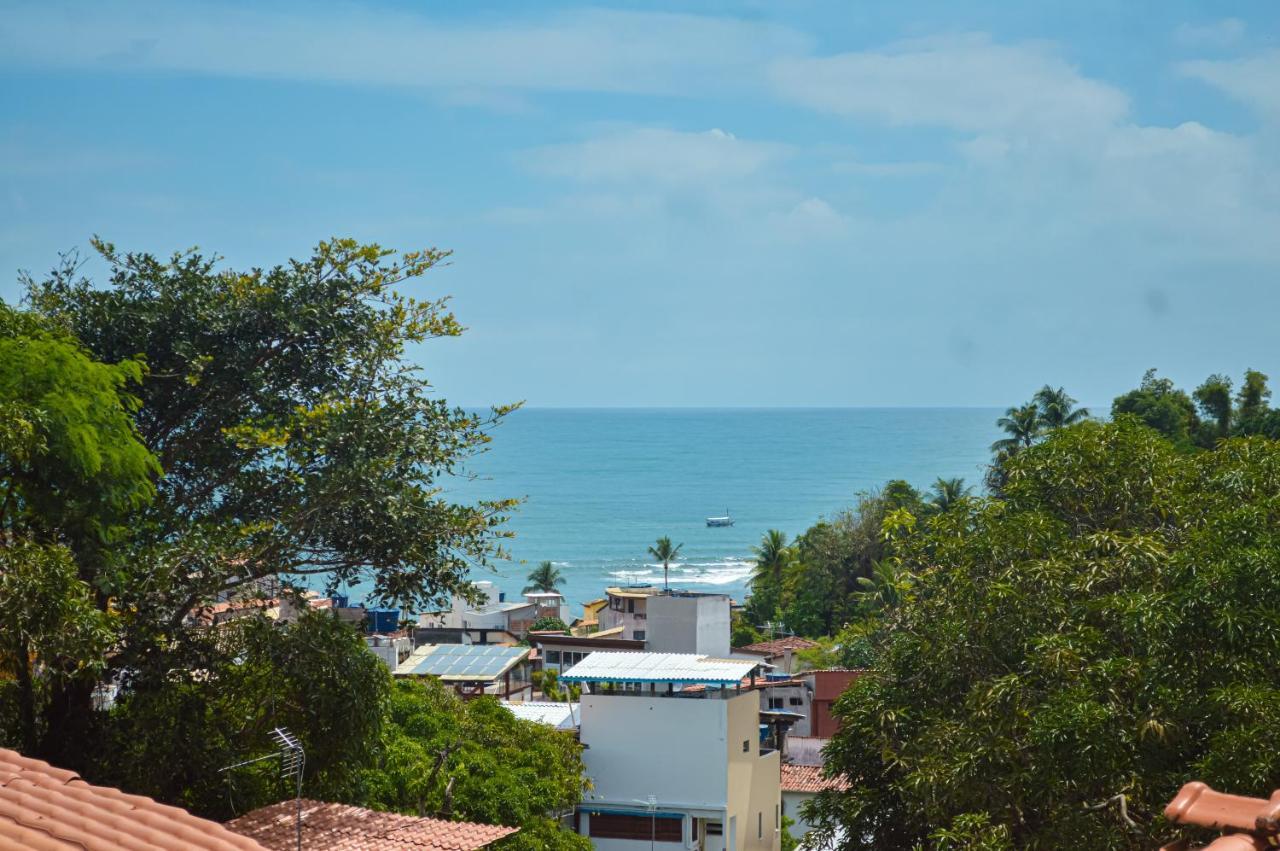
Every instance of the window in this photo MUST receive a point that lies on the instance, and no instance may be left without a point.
(746, 746)
(714, 828)
(777, 815)
(775, 703)
(631, 605)
(797, 701)
(760, 825)
(553, 657)
(639, 635)
(662, 828)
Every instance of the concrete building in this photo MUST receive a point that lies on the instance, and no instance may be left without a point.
(827, 686)
(684, 622)
(493, 620)
(627, 607)
(673, 749)
(788, 694)
(561, 652)
(801, 783)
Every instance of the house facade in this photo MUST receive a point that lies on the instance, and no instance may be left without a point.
(671, 765)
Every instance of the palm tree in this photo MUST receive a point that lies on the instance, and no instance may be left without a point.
(665, 553)
(884, 588)
(947, 492)
(545, 577)
(1023, 427)
(1057, 409)
(771, 557)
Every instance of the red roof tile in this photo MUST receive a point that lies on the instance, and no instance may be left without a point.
(778, 646)
(340, 827)
(50, 809)
(808, 778)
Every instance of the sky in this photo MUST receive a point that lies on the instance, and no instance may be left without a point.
(788, 203)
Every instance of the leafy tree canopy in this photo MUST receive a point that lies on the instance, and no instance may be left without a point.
(1101, 630)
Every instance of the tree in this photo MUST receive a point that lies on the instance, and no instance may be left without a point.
(664, 552)
(297, 441)
(548, 624)
(1160, 405)
(1214, 400)
(1098, 631)
(1057, 409)
(474, 760)
(1251, 401)
(172, 732)
(1023, 427)
(71, 470)
(545, 577)
(772, 556)
(947, 492)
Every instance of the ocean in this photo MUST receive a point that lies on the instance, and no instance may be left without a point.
(601, 485)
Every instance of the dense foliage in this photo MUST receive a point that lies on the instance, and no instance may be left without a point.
(1207, 414)
(1106, 628)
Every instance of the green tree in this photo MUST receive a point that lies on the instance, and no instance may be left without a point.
(1057, 409)
(945, 493)
(771, 558)
(1023, 427)
(1251, 402)
(664, 552)
(1099, 631)
(549, 623)
(545, 577)
(1160, 405)
(297, 440)
(1214, 399)
(475, 760)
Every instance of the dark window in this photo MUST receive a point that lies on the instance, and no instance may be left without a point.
(553, 657)
(797, 701)
(746, 746)
(714, 828)
(631, 605)
(639, 635)
(661, 829)
(760, 825)
(775, 703)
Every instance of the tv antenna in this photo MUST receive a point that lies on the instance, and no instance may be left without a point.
(293, 764)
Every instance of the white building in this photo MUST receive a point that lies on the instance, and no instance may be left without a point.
(800, 784)
(628, 607)
(682, 622)
(673, 748)
(493, 620)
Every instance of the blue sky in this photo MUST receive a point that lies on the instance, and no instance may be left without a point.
(791, 203)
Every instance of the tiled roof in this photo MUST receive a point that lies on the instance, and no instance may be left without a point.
(51, 809)
(778, 646)
(808, 778)
(340, 827)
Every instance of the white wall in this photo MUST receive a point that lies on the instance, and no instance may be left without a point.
(791, 802)
(672, 748)
(688, 625)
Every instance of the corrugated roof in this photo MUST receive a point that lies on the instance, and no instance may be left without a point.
(500, 608)
(808, 778)
(339, 827)
(461, 662)
(609, 666)
(559, 715)
(51, 809)
(778, 646)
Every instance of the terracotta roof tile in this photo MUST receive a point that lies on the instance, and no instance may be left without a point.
(808, 778)
(340, 827)
(52, 809)
(778, 646)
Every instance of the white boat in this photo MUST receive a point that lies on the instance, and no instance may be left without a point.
(726, 520)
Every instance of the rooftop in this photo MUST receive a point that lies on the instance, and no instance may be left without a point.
(808, 778)
(778, 646)
(635, 592)
(53, 809)
(559, 715)
(500, 607)
(466, 663)
(605, 666)
(340, 827)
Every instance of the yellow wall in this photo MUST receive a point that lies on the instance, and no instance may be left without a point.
(755, 786)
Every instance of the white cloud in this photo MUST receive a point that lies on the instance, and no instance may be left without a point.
(966, 83)
(650, 155)
(591, 50)
(1223, 33)
(1254, 80)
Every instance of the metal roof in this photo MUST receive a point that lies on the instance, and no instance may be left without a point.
(461, 662)
(607, 666)
(561, 715)
(500, 607)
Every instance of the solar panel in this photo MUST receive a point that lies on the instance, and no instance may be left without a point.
(467, 661)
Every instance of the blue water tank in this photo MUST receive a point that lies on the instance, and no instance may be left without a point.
(383, 620)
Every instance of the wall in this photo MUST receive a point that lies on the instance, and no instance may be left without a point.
(827, 688)
(673, 748)
(791, 802)
(754, 779)
(680, 624)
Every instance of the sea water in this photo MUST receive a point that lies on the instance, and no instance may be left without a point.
(599, 486)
